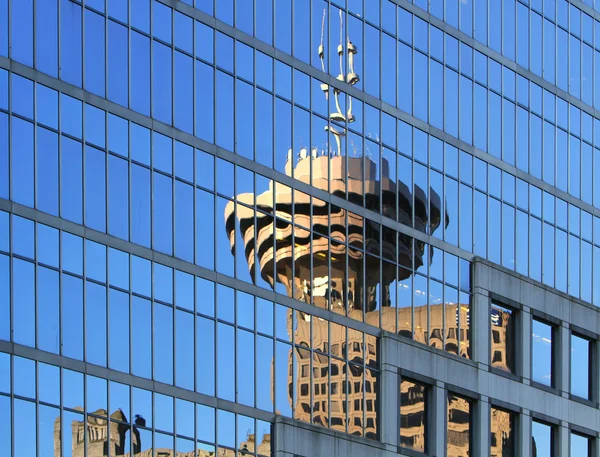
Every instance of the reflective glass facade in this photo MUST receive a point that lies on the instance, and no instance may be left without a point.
(216, 214)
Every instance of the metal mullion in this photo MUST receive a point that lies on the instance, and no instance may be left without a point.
(255, 358)
(235, 345)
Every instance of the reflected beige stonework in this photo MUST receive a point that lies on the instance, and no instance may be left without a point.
(323, 254)
(329, 257)
(100, 441)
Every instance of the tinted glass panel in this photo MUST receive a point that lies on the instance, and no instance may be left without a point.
(542, 352)
(413, 415)
(503, 338)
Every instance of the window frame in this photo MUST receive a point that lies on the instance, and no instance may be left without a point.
(427, 384)
(515, 309)
(554, 326)
(592, 390)
(553, 433)
(514, 421)
(460, 393)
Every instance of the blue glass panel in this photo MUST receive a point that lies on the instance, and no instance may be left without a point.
(95, 330)
(4, 29)
(161, 82)
(95, 65)
(71, 253)
(140, 205)
(140, 14)
(23, 294)
(72, 316)
(118, 63)
(22, 96)
(22, 31)
(119, 317)
(140, 73)
(46, 106)
(4, 156)
(95, 188)
(71, 180)
(22, 163)
(48, 338)
(70, 42)
(118, 192)
(5, 282)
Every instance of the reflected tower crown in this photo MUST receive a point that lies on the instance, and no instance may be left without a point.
(325, 255)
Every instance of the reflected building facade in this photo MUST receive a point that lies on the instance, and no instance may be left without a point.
(322, 227)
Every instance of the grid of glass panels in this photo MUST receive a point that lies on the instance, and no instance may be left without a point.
(568, 34)
(173, 209)
(554, 127)
(124, 312)
(68, 411)
(479, 193)
(173, 28)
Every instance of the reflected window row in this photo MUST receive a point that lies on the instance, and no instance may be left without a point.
(506, 328)
(506, 103)
(544, 441)
(101, 417)
(329, 391)
(416, 415)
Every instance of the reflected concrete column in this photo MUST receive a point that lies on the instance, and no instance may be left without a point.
(523, 349)
(524, 434)
(437, 414)
(563, 360)
(481, 427)
(480, 326)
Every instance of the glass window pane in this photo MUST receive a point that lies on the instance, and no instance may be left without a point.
(503, 434)
(542, 353)
(580, 366)
(541, 439)
(413, 415)
(459, 425)
(580, 445)
(503, 338)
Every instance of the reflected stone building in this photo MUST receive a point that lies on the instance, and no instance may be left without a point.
(104, 440)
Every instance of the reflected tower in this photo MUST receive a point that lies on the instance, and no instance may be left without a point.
(323, 254)
(331, 258)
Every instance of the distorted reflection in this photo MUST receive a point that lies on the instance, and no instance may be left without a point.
(459, 426)
(118, 438)
(337, 367)
(502, 441)
(503, 338)
(413, 415)
(332, 258)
